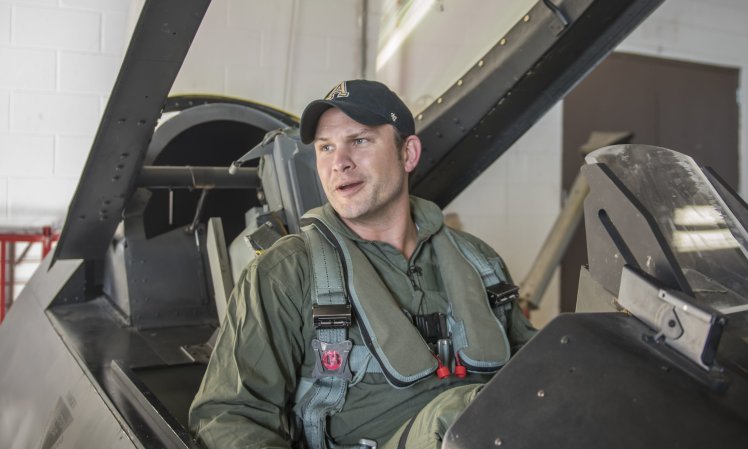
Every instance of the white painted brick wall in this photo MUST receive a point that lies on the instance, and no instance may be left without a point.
(53, 27)
(4, 23)
(4, 111)
(253, 55)
(36, 2)
(70, 155)
(114, 32)
(59, 60)
(25, 68)
(42, 200)
(327, 49)
(3, 197)
(122, 6)
(87, 72)
(26, 155)
(51, 113)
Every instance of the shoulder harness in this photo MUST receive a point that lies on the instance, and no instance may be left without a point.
(335, 298)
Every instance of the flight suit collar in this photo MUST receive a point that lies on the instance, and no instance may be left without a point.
(427, 216)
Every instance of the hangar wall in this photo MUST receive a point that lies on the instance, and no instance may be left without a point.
(708, 32)
(59, 59)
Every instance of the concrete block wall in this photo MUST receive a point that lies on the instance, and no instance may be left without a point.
(58, 62)
(282, 53)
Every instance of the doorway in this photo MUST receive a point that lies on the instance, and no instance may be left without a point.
(687, 107)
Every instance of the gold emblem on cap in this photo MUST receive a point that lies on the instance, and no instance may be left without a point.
(341, 90)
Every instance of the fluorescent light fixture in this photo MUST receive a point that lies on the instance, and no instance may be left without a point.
(406, 19)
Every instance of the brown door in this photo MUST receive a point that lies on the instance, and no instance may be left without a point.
(687, 107)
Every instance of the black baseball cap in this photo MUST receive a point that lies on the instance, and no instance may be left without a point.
(368, 102)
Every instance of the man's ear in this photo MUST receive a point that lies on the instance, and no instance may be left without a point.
(412, 153)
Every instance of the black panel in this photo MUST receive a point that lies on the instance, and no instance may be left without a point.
(159, 44)
(145, 374)
(590, 380)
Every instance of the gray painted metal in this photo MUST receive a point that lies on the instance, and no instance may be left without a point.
(512, 86)
(591, 380)
(159, 44)
(606, 379)
(178, 103)
(592, 297)
(174, 255)
(289, 174)
(197, 178)
(172, 435)
(691, 329)
(203, 110)
(47, 399)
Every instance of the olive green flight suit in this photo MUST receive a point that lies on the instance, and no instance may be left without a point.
(264, 347)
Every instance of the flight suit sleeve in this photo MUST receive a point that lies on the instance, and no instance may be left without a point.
(246, 395)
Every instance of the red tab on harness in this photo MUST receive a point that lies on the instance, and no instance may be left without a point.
(331, 359)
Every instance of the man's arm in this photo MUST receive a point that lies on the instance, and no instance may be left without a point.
(246, 394)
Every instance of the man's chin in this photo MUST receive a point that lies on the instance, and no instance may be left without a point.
(347, 213)
(348, 210)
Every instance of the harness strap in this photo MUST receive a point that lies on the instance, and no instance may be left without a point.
(491, 274)
(362, 360)
(329, 284)
(323, 395)
(326, 394)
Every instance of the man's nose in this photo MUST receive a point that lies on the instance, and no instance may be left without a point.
(343, 159)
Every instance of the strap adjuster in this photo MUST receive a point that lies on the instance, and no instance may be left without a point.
(331, 316)
(502, 293)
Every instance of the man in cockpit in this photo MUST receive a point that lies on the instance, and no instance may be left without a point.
(375, 326)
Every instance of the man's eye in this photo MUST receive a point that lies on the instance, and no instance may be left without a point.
(324, 148)
(360, 141)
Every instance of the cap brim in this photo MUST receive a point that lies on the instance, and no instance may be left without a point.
(310, 117)
(312, 113)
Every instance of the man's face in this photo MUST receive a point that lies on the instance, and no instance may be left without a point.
(362, 172)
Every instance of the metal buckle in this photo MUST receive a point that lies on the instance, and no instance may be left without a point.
(677, 319)
(331, 316)
(501, 293)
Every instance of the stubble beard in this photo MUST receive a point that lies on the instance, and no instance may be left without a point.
(373, 205)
